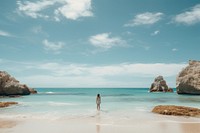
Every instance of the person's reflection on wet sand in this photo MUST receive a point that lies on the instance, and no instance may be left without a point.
(98, 119)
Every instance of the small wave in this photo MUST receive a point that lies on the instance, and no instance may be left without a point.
(49, 103)
(50, 92)
(141, 109)
(118, 95)
(40, 116)
(60, 104)
(59, 93)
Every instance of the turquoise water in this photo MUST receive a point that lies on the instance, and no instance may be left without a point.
(80, 102)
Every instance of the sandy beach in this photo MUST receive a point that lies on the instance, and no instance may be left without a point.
(101, 124)
(7, 123)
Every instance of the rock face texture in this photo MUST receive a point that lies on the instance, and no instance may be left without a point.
(10, 86)
(176, 110)
(160, 85)
(32, 91)
(188, 80)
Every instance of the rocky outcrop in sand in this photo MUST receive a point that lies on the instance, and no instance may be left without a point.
(188, 80)
(6, 104)
(176, 110)
(160, 85)
(10, 86)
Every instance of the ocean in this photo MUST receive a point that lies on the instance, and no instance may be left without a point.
(62, 103)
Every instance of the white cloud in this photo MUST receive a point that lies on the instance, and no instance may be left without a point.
(33, 9)
(60, 74)
(74, 9)
(105, 41)
(146, 18)
(54, 47)
(189, 17)
(70, 9)
(155, 33)
(174, 49)
(5, 34)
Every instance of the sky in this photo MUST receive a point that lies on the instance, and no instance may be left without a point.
(98, 43)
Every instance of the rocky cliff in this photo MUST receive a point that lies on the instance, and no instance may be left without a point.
(10, 86)
(160, 85)
(188, 80)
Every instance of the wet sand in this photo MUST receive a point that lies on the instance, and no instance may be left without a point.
(7, 123)
(99, 124)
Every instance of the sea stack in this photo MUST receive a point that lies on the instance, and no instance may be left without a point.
(160, 85)
(188, 80)
(9, 86)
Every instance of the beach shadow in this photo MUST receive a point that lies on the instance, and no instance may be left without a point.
(98, 120)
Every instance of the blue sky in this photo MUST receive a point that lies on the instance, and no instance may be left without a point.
(98, 43)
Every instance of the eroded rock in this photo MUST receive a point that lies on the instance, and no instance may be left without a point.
(160, 85)
(188, 80)
(6, 104)
(10, 86)
(176, 110)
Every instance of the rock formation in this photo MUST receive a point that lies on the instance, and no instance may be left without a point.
(6, 104)
(32, 91)
(188, 80)
(160, 85)
(10, 86)
(176, 110)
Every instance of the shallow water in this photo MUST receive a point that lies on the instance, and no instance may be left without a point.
(59, 103)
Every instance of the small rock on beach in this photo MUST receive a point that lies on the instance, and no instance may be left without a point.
(6, 104)
(176, 110)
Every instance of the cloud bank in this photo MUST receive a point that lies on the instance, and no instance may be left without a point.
(60, 74)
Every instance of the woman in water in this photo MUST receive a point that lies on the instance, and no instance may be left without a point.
(98, 101)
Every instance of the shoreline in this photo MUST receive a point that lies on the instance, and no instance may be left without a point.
(100, 124)
(74, 111)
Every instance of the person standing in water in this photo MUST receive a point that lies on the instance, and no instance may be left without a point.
(98, 101)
